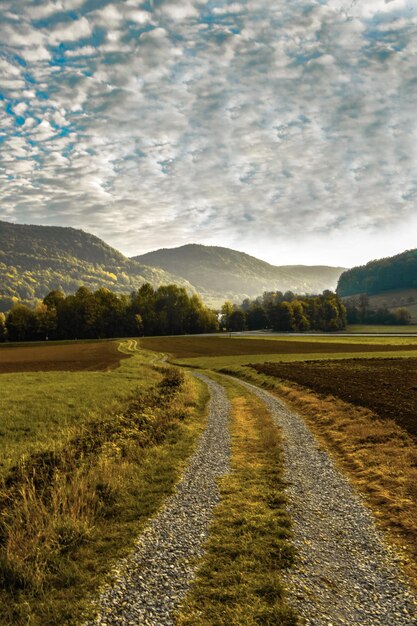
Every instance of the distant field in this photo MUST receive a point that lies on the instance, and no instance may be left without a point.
(386, 386)
(99, 356)
(194, 347)
(366, 328)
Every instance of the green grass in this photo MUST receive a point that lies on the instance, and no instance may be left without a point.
(38, 410)
(238, 582)
(70, 513)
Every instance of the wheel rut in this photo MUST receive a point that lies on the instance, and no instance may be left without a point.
(152, 581)
(344, 573)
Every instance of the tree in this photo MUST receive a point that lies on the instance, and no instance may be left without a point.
(3, 328)
(282, 316)
(300, 317)
(401, 316)
(21, 323)
(237, 321)
(226, 311)
(47, 321)
(256, 317)
(54, 299)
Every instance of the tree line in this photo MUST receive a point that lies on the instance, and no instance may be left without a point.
(397, 272)
(360, 311)
(167, 310)
(286, 312)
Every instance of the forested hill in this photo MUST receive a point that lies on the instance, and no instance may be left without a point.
(221, 273)
(34, 260)
(397, 272)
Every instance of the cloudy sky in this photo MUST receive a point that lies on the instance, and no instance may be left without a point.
(284, 129)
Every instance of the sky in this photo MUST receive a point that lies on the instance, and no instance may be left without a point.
(287, 130)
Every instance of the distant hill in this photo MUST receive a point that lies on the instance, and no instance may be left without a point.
(398, 272)
(221, 273)
(36, 259)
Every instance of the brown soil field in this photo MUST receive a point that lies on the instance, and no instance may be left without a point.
(98, 356)
(386, 386)
(189, 347)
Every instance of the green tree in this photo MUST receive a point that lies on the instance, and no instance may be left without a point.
(22, 323)
(237, 321)
(256, 317)
(226, 312)
(3, 328)
(401, 316)
(299, 310)
(282, 317)
(47, 321)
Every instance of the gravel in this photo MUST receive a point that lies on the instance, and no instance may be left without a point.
(345, 573)
(150, 584)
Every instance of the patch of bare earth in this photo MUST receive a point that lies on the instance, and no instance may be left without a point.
(96, 356)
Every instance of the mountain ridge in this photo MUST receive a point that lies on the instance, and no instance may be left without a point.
(217, 271)
(380, 275)
(37, 259)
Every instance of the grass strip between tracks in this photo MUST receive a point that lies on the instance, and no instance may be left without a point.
(375, 454)
(239, 581)
(69, 514)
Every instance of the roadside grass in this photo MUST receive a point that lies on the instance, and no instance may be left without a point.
(39, 409)
(70, 512)
(239, 580)
(377, 456)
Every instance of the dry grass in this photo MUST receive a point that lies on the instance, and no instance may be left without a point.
(377, 455)
(239, 581)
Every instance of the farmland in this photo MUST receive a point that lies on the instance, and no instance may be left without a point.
(72, 357)
(191, 347)
(358, 395)
(87, 457)
(386, 386)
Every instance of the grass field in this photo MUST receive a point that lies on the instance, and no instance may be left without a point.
(89, 456)
(39, 409)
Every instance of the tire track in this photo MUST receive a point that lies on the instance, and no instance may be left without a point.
(154, 579)
(344, 574)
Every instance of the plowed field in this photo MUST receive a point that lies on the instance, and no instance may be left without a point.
(98, 356)
(189, 347)
(386, 386)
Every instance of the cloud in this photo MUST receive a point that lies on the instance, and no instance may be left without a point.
(250, 124)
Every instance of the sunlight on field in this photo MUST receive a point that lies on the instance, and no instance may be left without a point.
(39, 408)
(219, 352)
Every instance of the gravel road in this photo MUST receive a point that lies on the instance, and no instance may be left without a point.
(154, 579)
(344, 574)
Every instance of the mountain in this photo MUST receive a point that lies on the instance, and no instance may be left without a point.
(221, 273)
(398, 272)
(36, 259)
